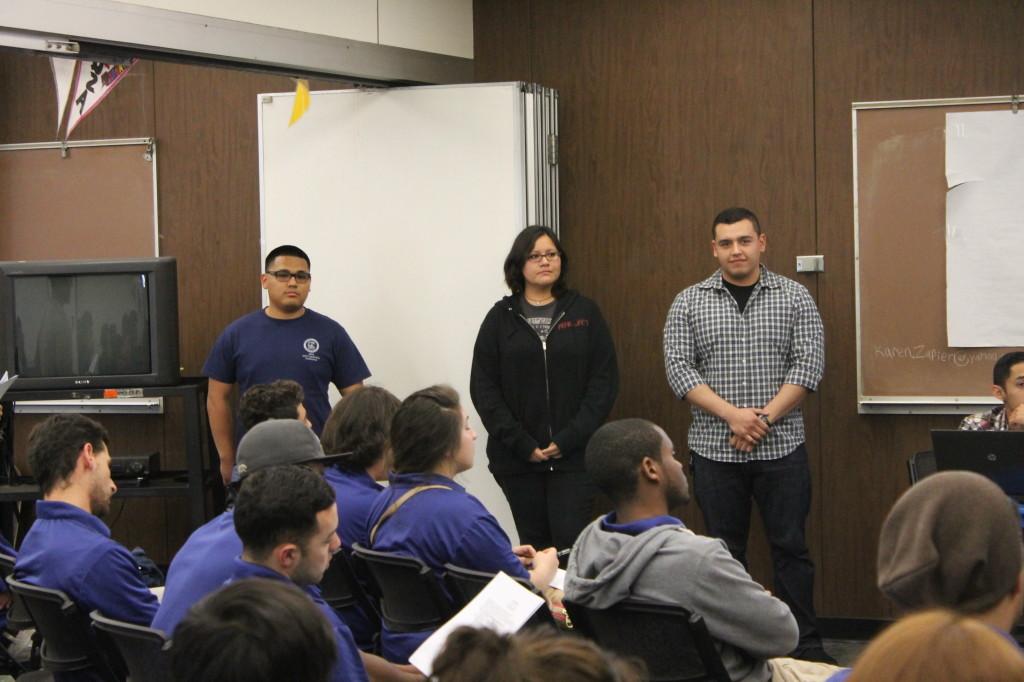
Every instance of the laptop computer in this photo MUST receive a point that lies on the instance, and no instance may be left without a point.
(998, 455)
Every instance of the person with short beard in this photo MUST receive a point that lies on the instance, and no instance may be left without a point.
(639, 551)
(68, 548)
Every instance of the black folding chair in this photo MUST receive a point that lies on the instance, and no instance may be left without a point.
(921, 464)
(17, 617)
(18, 620)
(343, 591)
(673, 642)
(68, 640)
(464, 584)
(412, 599)
(144, 650)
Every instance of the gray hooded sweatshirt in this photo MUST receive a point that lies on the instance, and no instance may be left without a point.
(670, 564)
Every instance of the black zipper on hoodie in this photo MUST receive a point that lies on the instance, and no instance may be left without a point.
(544, 351)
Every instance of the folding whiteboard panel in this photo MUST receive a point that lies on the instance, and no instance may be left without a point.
(407, 201)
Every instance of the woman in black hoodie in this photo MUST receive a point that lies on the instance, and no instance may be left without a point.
(544, 379)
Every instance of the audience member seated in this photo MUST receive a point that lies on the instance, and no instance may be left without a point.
(481, 654)
(358, 428)
(68, 548)
(288, 522)
(424, 513)
(939, 646)
(953, 541)
(236, 635)
(1008, 387)
(281, 399)
(206, 559)
(639, 551)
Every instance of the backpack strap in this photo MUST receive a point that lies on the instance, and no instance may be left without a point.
(397, 504)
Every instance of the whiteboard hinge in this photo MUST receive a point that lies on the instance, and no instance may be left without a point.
(552, 149)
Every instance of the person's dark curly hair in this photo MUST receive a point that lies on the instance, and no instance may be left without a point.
(277, 400)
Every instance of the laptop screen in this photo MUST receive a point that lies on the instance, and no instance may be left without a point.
(999, 455)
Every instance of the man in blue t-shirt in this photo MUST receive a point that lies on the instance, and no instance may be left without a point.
(285, 340)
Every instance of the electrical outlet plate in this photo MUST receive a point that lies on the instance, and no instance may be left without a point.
(810, 264)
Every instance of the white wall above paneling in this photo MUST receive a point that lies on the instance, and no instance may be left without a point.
(431, 41)
(353, 19)
(444, 26)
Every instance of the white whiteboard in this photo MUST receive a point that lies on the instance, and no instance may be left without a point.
(407, 201)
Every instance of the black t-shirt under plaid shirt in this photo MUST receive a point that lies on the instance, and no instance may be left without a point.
(744, 357)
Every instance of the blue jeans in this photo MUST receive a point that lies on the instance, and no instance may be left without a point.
(782, 490)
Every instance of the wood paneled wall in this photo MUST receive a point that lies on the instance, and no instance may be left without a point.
(204, 122)
(672, 110)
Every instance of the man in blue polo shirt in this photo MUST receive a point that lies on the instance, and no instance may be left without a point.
(288, 522)
(285, 340)
(68, 548)
(287, 519)
(207, 558)
(211, 555)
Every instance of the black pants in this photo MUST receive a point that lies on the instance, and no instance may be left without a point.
(782, 490)
(550, 508)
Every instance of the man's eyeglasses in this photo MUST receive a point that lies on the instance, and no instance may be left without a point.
(547, 255)
(284, 275)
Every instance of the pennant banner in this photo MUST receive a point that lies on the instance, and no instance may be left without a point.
(64, 73)
(94, 81)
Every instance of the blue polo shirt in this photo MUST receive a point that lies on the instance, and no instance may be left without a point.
(202, 565)
(69, 549)
(609, 523)
(349, 667)
(313, 350)
(355, 491)
(438, 527)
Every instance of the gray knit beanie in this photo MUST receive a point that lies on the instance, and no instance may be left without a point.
(953, 540)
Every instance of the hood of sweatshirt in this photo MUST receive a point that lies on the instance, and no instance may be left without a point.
(604, 565)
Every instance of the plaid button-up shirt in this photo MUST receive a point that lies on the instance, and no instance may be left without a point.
(745, 357)
(993, 420)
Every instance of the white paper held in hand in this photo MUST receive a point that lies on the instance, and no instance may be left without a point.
(503, 606)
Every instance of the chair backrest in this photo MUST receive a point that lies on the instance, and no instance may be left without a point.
(17, 616)
(412, 598)
(464, 584)
(673, 642)
(68, 641)
(144, 650)
(921, 464)
(339, 586)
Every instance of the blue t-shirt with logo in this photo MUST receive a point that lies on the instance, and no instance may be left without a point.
(313, 350)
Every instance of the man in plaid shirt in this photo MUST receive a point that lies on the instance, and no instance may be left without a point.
(1007, 386)
(744, 347)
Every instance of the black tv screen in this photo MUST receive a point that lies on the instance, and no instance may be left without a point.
(90, 323)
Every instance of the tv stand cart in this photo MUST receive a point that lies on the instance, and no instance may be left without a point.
(198, 448)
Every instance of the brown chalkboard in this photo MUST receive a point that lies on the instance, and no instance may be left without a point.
(97, 201)
(900, 216)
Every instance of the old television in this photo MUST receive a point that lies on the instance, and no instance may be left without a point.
(89, 323)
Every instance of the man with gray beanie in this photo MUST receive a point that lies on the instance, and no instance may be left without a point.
(953, 541)
(207, 558)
